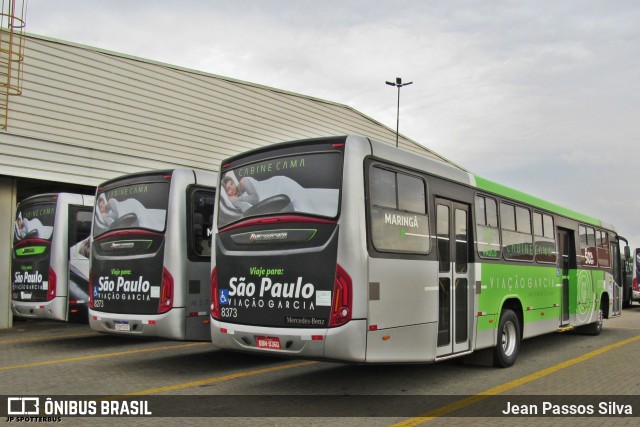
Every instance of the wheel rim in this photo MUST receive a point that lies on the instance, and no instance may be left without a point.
(508, 338)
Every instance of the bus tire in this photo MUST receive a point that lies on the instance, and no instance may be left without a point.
(596, 327)
(506, 351)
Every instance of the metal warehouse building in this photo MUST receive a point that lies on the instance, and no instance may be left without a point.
(72, 116)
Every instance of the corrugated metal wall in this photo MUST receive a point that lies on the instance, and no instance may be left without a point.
(87, 115)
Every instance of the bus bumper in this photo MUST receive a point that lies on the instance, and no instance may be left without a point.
(344, 343)
(170, 325)
(55, 309)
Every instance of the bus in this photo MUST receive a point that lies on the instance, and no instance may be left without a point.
(633, 292)
(151, 255)
(50, 257)
(349, 249)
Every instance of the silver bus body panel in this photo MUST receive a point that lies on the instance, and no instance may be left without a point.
(170, 325)
(187, 275)
(346, 342)
(412, 302)
(412, 343)
(485, 338)
(352, 244)
(56, 309)
(534, 327)
(175, 245)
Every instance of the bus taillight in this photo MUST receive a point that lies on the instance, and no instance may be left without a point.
(166, 292)
(635, 284)
(51, 292)
(342, 298)
(215, 306)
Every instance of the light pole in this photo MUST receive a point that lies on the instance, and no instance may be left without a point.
(398, 84)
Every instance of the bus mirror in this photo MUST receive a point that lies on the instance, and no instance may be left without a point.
(627, 252)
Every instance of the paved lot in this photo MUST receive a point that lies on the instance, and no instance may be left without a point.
(53, 359)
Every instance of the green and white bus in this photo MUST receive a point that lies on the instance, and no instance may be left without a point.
(353, 250)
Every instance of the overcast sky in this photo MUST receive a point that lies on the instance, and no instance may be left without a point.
(542, 96)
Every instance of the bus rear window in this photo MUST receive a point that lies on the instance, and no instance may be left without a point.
(304, 183)
(142, 205)
(34, 221)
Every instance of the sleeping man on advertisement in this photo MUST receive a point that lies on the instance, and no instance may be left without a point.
(112, 214)
(107, 211)
(249, 193)
(31, 228)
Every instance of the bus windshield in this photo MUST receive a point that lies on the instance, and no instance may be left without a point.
(34, 221)
(302, 183)
(140, 205)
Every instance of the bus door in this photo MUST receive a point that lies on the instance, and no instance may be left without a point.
(566, 247)
(617, 279)
(200, 222)
(454, 293)
(80, 218)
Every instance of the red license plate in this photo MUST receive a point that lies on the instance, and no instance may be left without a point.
(268, 342)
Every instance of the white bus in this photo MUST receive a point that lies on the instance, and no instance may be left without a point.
(151, 254)
(350, 249)
(50, 257)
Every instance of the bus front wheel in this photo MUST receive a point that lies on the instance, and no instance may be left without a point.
(506, 351)
(596, 327)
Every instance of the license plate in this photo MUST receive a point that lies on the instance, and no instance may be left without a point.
(122, 326)
(269, 342)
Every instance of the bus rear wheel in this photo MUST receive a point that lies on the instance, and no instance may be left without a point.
(506, 351)
(596, 327)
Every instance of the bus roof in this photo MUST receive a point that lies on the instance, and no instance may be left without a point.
(501, 190)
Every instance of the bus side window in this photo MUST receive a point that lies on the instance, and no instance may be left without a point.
(588, 253)
(487, 227)
(398, 210)
(544, 238)
(604, 258)
(81, 232)
(83, 225)
(517, 238)
(201, 207)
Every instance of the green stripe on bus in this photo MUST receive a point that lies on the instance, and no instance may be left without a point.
(501, 190)
(539, 289)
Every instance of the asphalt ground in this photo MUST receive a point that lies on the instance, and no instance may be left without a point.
(568, 372)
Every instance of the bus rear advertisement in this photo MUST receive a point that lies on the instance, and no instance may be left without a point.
(50, 257)
(275, 285)
(150, 253)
